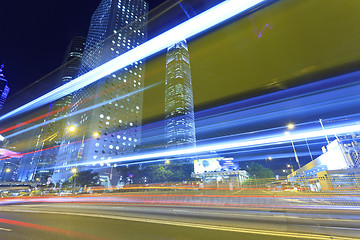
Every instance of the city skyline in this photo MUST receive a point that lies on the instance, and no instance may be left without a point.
(241, 126)
(193, 119)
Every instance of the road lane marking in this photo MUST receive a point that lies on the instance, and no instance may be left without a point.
(37, 205)
(342, 228)
(192, 225)
(5, 229)
(230, 214)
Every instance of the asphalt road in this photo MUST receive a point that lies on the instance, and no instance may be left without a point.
(95, 221)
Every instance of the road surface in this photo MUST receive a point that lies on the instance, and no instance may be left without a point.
(100, 221)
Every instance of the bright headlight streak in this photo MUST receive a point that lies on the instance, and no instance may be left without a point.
(230, 145)
(78, 112)
(191, 27)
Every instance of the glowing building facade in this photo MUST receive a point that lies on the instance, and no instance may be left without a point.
(40, 165)
(107, 114)
(179, 106)
(4, 89)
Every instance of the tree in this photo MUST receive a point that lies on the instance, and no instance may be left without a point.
(256, 171)
(172, 172)
(179, 172)
(158, 173)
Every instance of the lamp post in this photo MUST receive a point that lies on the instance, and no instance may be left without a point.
(290, 166)
(269, 158)
(322, 126)
(308, 147)
(290, 127)
(302, 177)
(74, 171)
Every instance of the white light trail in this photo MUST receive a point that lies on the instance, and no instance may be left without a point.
(78, 112)
(191, 27)
(234, 144)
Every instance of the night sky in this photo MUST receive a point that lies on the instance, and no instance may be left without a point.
(35, 34)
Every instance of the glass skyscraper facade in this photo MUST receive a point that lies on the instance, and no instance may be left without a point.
(179, 106)
(40, 165)
(4, 88)
(4, 91)
(107, 114)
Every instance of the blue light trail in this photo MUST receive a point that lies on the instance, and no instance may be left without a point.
(228, 145)
(189, 28)
(79, 111)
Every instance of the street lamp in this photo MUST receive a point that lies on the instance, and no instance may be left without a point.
(72, 128)
(8, 170)
(96, 134)
(74, 171)
(269, 158)
(291, 126)
(322, 126)
(167, 161)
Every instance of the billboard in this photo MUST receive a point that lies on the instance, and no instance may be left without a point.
(213, 164)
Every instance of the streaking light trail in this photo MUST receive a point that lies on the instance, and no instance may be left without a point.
(78, 112)
(229, 145)
(189, 28)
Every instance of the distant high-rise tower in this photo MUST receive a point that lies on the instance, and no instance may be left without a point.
(179, 106)
(40, 165)
(4, 89)
(107, 114)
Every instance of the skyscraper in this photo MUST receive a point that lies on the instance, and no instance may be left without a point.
(41, 163)
(107, 113)
(4, 89)
(6, 173)
(179, 106)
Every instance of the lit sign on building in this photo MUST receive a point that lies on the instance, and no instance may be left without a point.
(213, 165)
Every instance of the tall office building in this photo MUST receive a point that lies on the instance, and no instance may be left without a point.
(4, 89)
(6, 166)
(179, 106)
(110, 110)
(40, 165)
